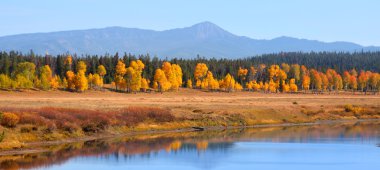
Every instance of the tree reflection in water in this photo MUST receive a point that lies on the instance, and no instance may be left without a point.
(219, 141)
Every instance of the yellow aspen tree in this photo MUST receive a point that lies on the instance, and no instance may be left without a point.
(189, 84)
(238, 86)
(373, 80)
(162, 83)
(97, 81)
(346, 80)
(45, 77)
(353, 83)
(5, 81)
(256, 86)
(200, 72)
(249, 85)
(130, 79)
(173, 73)
(261, 84)
(229, 83)
(155, 85)
(81, 82)
(282, 77)
(90, 80)
(144, 84)
(215, 84)
(198, 83)
(274, 74)
(120, 71)
(362, 79)
(170, 75)
(272, 86)
(70, 78)
(305, 82)
(177, 71)
(285, 87)
(207, 82)
(338, 82)
(303, 71)
(316, 80)
(204, 84)
(55, 81)
(330, 73)
(64, 83)
(325, 81)
(134, 75)
(101, 70)
(210, 83)
(292, 85)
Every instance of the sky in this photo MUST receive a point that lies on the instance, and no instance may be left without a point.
(355, 21)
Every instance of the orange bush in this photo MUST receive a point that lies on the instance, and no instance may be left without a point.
(89, 120)
(9, 119)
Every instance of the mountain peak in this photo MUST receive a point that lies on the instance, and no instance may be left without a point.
(205, 24)
(208, 29)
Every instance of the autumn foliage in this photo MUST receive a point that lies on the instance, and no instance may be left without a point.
(132, 78)
(82, 119)
(8, 119)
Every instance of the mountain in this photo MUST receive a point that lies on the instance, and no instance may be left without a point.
(205, 39)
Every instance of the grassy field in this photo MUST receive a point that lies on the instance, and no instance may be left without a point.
(189, 108)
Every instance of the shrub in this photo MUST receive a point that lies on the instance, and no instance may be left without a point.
(9, 119)
(351, 108)
(348, 107)
(32, 118)
(67, 126)
(71, 120)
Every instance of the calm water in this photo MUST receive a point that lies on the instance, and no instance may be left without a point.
(330, 146)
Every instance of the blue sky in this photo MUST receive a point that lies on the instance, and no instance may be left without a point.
(326, 20)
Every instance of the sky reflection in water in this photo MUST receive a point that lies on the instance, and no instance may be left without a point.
(329, 146)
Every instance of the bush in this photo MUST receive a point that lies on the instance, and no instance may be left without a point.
(352, 108)
(67, 126)
(9, 119)
(348, 107)
(71, 120)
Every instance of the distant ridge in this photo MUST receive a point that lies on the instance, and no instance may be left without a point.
(205, 39)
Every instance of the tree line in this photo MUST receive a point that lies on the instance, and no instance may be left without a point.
(282, 72)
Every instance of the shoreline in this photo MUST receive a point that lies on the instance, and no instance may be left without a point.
(41, 144)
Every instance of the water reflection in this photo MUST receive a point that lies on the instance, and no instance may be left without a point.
(203, 149)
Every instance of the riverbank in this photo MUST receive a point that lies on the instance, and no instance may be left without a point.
(43, 146)
(168, 112)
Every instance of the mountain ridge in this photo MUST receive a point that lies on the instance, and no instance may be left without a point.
(205, 39)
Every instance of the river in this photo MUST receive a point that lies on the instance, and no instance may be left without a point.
(345, 145)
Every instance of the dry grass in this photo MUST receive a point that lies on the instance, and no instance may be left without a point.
(54, 115)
